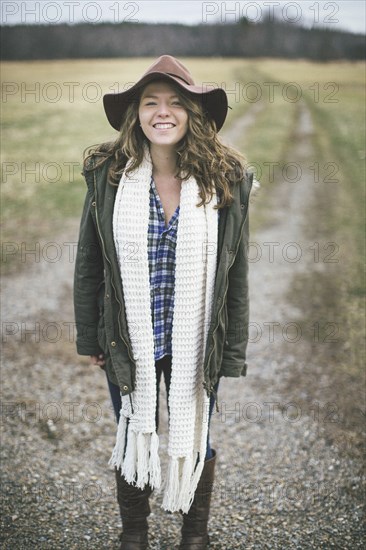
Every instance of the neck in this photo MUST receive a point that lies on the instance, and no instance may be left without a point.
(164, 160)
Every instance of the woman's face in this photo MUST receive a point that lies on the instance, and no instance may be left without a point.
(163, 119)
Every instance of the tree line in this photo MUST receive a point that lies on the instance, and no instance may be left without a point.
(242, 39)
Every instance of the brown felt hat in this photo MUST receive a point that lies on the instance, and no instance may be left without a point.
(214, 100)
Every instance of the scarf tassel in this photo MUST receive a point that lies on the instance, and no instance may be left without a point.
(141, 458)
(143, 447)
(130, 461)
(118, 450)
(180, 487)
(186, 493)
(171, 493)
(197, 473)
(154, 463)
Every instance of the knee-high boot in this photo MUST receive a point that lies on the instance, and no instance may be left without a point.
(134, 508)
(194, 529)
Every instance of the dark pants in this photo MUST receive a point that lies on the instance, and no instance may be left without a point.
(164, 366)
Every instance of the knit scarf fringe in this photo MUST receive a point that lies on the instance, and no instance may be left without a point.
(194, 285)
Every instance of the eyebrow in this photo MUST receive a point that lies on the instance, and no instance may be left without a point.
(157, 97)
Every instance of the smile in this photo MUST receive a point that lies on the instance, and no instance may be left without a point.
(164, 126)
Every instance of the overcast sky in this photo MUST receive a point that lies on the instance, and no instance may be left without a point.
(346, 15)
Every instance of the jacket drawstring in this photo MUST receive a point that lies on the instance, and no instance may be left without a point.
(211, 390)
(129, 395)
(215, 396)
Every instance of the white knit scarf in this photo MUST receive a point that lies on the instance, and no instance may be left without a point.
(196, 254)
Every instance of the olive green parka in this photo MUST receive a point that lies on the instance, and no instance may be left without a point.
(100, 315)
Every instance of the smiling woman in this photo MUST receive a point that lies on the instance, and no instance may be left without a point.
(143, 307)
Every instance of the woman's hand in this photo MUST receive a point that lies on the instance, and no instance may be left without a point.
(98, 360)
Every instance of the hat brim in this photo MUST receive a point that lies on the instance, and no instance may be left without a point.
(214, 100)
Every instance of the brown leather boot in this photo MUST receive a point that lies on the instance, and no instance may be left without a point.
(194, 529)
(134, 507)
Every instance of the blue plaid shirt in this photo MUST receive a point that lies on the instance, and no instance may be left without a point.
(162, 242)
(161, 252)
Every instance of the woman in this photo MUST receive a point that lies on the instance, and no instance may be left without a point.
(161, 287)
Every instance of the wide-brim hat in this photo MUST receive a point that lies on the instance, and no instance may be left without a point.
(214, 100)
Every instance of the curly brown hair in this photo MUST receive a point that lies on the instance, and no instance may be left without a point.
(200, 153)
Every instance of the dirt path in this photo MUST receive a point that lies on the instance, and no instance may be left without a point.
(278, 485)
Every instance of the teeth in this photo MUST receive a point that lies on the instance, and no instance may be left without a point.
(163, 125)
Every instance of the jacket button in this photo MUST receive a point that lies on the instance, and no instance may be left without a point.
(94, 203)
(107, 295)
(125, 388)
(242, 206)
(226, 342)
(113, 344)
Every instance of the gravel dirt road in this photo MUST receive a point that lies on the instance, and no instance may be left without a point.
(280, 481)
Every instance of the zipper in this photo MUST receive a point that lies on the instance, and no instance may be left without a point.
(211, 390)
(108, 260)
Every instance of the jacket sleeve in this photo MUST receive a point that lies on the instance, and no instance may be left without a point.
(234, 353)
(88, 278)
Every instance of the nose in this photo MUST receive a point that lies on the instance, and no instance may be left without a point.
(163, 109)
